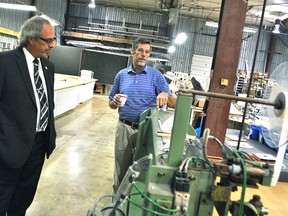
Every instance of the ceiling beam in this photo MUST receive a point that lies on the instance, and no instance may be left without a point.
(8, 32)
(107, 38)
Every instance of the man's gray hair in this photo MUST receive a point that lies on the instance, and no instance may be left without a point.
(31, 28)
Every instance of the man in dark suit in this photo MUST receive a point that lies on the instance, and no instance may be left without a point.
(24, 140)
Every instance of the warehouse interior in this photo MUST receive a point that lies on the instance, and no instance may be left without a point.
(81, 169)
(236, 51)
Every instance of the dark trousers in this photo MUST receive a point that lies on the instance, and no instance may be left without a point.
(18, 186)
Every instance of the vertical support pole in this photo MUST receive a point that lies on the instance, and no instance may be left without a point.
(179, 130)
(225, 67)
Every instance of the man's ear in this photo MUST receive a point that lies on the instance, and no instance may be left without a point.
(133, 51)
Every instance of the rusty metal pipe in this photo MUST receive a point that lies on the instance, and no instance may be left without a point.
(276, 104)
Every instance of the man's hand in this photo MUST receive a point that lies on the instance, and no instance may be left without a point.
(116, 102)
(161, 99)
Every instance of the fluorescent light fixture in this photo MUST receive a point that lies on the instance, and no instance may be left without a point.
(180, 38)
(92, 4)
(276, 29)
(276, 12)
(52, 21)
(246, 29)
(212, 24)
(18, 7)
(171, 49)
(272, 12)
(278, 8)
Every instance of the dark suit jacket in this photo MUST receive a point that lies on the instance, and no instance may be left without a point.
(18, 111)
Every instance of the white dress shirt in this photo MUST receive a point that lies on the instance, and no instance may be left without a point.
(30, 64)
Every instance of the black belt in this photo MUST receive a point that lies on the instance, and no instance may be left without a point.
(134, 125)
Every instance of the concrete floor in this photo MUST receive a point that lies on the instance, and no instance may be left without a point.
(81, 168)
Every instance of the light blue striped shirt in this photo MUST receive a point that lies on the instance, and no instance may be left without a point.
(142, 90)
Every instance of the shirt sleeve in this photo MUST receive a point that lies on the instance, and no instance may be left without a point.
(161, 84)
(115, 87)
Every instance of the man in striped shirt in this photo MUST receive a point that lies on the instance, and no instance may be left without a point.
(145, 87)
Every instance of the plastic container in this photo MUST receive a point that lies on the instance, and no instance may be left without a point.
(268, 140)
(254, 132)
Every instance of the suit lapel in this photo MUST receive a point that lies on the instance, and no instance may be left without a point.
(23, 68)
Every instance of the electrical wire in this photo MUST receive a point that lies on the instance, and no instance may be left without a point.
(185, 210)
(187, 164)
(249, 159)
(183, 164)
(204, 143)
(283, 144)
(99, 199)
(224, 154)
(151, 201)
(253, 163)
(146, 209)
(205, 138)
(246, 155)
(244, 184)
(199, 159)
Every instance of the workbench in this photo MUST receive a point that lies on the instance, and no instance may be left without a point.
(70, 91)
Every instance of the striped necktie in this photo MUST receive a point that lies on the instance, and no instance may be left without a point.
(44, 111)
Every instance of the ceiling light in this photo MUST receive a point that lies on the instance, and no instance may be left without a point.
(171, 49)
(252, 30)
(18, 7)
(180, 38)
(276, 29)
(212, 24)
(272, 12)
(92, 4)
(246, 29)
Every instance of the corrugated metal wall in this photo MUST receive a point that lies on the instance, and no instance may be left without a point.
(55, 9)
(79, 15)
(181, 59)
(13, 19)
(281, 51)
(201, 39)
(248, 51)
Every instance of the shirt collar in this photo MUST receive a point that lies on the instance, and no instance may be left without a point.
(130, 69)
(28, 55)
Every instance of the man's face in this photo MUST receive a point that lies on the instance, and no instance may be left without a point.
(141, 54)
(43, 45)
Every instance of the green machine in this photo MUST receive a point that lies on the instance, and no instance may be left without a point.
(172, 174)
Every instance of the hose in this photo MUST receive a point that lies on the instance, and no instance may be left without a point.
(224, 154)
(154, 203)
(243, 165)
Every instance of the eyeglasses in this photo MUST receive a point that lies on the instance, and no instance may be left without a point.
(48, 40)
(143, 51)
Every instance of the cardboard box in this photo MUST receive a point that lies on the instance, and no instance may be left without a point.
(199, 102)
